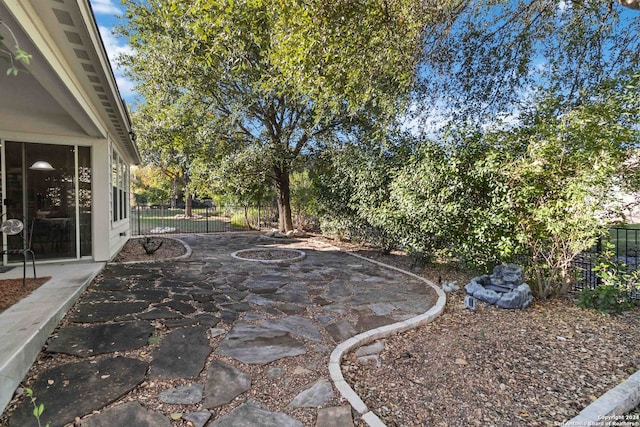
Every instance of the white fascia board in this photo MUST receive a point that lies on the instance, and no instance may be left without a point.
(105, 66)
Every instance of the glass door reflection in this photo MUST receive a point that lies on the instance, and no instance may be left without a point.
(51, 201)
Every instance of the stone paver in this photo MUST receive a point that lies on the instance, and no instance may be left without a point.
(77, 389)
(251, 415)
(182, 353)
(315, 396)
(259, 344)
(92, 340)
(128, 414)
(224, 383)
(184, 395)
(197, 418)
(189, 316)
(336, 416)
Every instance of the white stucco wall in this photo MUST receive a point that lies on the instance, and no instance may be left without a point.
(107, 239)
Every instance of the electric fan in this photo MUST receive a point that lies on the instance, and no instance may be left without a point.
(11, 226)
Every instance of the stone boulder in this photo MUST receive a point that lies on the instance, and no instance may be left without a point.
(505, 287)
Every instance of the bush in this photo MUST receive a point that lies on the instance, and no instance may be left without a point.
(618, 281)
(606, 299)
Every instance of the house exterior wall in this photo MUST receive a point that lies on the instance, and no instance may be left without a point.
(68, 96)
(107, 237)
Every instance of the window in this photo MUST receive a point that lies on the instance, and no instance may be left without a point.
(120, 188)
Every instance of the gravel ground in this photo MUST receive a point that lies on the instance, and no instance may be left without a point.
(535, 367)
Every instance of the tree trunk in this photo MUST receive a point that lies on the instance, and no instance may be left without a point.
(187, 196)
(285, 222)
(187, 205)
(246, 217)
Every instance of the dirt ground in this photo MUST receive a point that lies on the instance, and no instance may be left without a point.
(12, 290)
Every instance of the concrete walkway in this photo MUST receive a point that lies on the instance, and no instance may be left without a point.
(211, 339)
(26, 326)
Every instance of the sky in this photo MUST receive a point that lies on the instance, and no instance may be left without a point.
(107, 12)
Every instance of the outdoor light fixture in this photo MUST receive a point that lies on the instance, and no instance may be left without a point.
(133, 136)
(41, 165)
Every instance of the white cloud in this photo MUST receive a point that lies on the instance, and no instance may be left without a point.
(116, 47)
(126, 87)
(105, 7)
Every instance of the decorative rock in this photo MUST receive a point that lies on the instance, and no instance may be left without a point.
(370, 359)
(450, 287)
(335, 416)
(224, 383)
(487, 295)
(519, 298)
(472, 287)
(317, 395)
(128, 414)
(374, 348)
(184, 395)
(382, 309)
(341, 330)
(182, 353)
(249, 414)
(198, 418)
(275, 372)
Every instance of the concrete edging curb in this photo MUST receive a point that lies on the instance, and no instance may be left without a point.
(335, 359)
(609, 409)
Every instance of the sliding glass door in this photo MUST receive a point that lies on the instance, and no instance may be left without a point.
(49, 187)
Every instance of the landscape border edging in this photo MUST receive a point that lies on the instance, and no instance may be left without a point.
(608, 408)
(335, 360)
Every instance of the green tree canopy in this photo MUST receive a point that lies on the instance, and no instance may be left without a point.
(489, 57)
(273, 76)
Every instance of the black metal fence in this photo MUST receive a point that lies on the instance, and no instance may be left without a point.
(157, 219)
(626, 242)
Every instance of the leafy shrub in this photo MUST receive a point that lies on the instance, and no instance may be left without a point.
(605, 298)
(617, 283)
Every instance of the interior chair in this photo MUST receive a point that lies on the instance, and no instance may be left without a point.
(15, 227)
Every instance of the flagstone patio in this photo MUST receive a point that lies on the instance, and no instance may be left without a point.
(246, 341)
